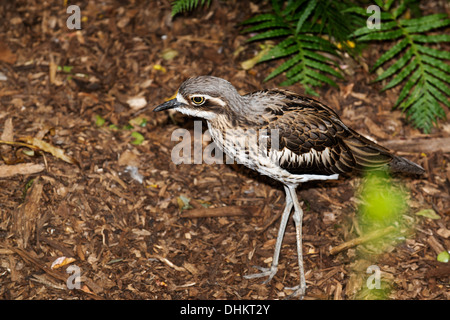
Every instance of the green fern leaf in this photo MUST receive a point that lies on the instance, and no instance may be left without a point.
(388, 55)
(284, 66)
(437, 73)
(434, 52)
(422, 20)
(424, 118)
(179, 6)
(438, 84)
(420, 28)
(412, 80)
(387, 35)
(316, 46)
(314, 55)
(292, 7)
(402, 75)
(320, 77)
(296, 69)
(431, 38)
(436, 63)
(438, 95)
(399, 10)
(260, 18)
(399, 64)
(383, 27)
(414, 95)
(322, 67)
(299, 25)
(306, 13)
(310, 80)
(272, 24)
(270, 34)
(420, 69)
(278, 52)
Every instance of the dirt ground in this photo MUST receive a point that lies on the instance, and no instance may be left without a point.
(132, 238)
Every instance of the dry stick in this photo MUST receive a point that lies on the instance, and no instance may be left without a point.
(168, 262)
(52, 273)
(365, 238)
(220, 212)
(419, 145)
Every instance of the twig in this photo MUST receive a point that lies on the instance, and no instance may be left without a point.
(168, 262)
(220, 212)
(419, 145)
(365, 238)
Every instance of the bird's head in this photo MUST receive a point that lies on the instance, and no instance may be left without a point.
(204, 97)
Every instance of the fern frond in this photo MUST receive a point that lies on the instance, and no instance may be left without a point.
(431, 38)
(260, 18)
(284, 66)
(275, 33)
(396, 66)
(305, 14)
(179, 6)
(388, 55)
(306, 52)
(419, 68)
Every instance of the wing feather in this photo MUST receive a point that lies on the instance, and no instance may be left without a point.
(320, 141)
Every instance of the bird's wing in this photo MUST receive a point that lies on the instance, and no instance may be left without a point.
(313, 140)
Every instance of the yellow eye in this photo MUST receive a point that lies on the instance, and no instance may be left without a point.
(198, 100)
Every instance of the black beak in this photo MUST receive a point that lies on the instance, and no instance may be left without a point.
(171, 104)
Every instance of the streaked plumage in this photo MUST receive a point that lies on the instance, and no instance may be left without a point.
(313, 143)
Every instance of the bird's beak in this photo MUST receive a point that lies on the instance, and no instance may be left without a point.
(171, 104)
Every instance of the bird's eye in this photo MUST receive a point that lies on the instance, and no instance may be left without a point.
(198, 100)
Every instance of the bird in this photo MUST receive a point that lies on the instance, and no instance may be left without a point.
(303, 140)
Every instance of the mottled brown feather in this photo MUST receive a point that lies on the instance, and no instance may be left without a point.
(305, 124)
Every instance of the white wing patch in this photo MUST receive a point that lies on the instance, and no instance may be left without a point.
(314, 156)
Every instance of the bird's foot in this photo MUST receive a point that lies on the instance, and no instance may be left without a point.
(299, 291)
(265, 272)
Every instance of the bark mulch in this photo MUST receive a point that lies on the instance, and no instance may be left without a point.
(131, 235)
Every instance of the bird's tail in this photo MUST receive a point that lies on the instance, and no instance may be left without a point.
(370, 155)
(399, 164)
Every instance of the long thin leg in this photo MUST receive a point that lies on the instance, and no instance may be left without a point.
(270, 272)
(298, 217)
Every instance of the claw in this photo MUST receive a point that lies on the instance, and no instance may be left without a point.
(299, 291)
(265, 272)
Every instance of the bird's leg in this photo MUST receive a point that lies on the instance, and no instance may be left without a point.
(270, 272)
(298, 216)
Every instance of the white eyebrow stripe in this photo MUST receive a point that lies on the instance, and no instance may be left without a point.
(181, 99)
(207, 97)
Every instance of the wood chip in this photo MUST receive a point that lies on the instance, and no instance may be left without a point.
(21, 168)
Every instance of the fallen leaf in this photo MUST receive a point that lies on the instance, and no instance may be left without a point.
(250, 63)
(183, 203)
(169, 54)
(138, 138)
(428, 213)
(47, 147)
(444, 256)
(137, 103)
(99, 120)
(61, 262)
